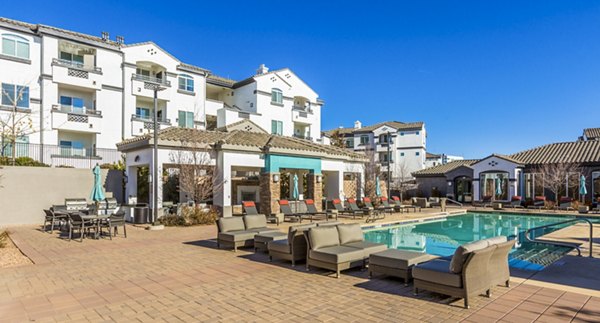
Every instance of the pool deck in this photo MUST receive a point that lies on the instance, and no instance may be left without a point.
(178, 274)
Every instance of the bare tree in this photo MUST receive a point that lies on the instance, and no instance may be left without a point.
(372, 171)
(15, 123)
(337, 139)
(196, 172)
(403, 175)
(556, 177)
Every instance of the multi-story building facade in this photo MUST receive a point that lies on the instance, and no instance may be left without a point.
(440, 159)
(397, 145)
(82, 94)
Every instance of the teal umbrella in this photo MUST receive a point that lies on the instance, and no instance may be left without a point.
(295, 193)
(498, 186)
(97, 194)
(582, 188)
(377, 186)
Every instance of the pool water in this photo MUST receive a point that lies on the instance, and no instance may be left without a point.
(441, 237)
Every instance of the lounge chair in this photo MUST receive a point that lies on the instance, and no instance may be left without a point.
(398, 206)
(515, 202)
(473, 269)
(312, 212)
(284, 206)
(486, 201)
(293, 248)
(565, 204)
(538, 203)
(240, 231)
(385, 205)
(434, 202)
(373, 213)
(338, 247)
(421, 202)
(249, 207)
(355, 210)
(337, 204)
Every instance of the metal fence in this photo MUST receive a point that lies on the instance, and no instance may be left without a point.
(58, 156)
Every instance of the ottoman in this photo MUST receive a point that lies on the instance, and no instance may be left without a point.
(262, 239)
(397, 263)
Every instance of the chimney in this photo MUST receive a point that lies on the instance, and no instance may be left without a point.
(262, 69)
(105, 35)
(357, 124)
(120, 40)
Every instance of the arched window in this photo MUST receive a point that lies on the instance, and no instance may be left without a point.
(16, 46)
(276, 96)
(186, 83)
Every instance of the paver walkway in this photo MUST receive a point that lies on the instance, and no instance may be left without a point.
(179, 275)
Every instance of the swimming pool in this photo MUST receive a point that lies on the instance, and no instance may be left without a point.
(441, 237)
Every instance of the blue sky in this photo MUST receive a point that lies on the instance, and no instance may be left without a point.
(485, 76)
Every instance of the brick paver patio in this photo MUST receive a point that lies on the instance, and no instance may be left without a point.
(179, 275)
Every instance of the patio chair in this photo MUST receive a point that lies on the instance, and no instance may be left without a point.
(311, 210)
(51, 217)
(401, 207)
(76, 222)
(500, 275)
(434, 202)
(486, 201)
(354, 210)
(249, 207)
(515, 202)
(284, 206)
(421, 202)
(538, 203)
(116, 220)
(565, 204)
(293, 248)
(463, 276)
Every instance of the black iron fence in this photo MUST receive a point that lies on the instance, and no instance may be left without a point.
(27, 154)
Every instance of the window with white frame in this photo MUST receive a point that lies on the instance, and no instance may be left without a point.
(277, 127)
(72, 58)
(276, 96)
(186, 119)
(142, 113)
(186, 83)
(16, 46)
(15, 95)
(72, 148)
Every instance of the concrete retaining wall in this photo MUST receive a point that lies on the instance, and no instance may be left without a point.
(26, 191)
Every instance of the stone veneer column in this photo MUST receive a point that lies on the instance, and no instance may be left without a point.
(270, 193)
(315, 189)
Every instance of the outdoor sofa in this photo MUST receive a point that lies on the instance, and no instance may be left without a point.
(515, 202)
(240, 231)
(293, 248)
(338, 247)
(539, 203)
(473, 269)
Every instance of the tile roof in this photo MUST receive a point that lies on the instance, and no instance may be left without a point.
(578, 152)
(241, 138)
(440, 170)
(222, 81)
(592, 133)
(244, 124)
(392, 124)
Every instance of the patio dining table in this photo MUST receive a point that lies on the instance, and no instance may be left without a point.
(97, 219)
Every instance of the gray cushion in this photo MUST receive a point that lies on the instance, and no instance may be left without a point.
(367, 247)
(270, 236)
(255, 221)
(236, 236)
(323, 237)
(336, 254)
(328, 223)
(461, 253)
(261, 230)
(350, 233)
(496, 240)
(436, 271)
(235, 223)
(279, 246)
(400, 259)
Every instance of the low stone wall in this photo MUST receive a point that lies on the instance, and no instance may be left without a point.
(26, 191)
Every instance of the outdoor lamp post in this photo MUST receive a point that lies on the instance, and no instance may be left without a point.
(389, 172)
(154, 174)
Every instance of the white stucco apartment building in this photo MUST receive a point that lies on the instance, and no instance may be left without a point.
(83, 94)
(405, 155)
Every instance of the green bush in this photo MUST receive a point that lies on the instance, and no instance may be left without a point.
(190, 216)
(22, 161)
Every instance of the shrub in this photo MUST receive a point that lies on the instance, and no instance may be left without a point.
(190, 216)
(22, 161)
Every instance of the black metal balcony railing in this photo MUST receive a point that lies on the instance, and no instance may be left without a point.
(53, 155)
(136, 117)
(150, 79)
(77, 65)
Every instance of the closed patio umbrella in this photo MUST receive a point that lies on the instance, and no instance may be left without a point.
(377, 187)
(582, 188)
(498, 187)
(97, 193)
(295, 193)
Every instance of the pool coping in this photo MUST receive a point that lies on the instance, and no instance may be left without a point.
(434, 216)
